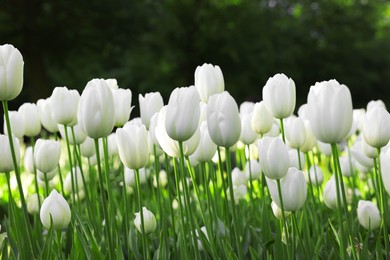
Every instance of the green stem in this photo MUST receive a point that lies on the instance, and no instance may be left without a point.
(282, 130)
(126, 214)
(250, 177)
(339, 205)
(141, 212)
(232, 203)
(283, 217)
(17, 175)
(70, 164)
(104, 201)
(59, 170)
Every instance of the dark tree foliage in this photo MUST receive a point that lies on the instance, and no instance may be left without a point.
(156, 45)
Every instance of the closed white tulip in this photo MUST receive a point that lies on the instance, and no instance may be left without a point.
(208, 81)
(262, 119)
(28, 161)
(223, 120)
(324, 148)
(150, 223)
(149, 105)
(77, 178)
(385, 169)
(278, 212)
(294, 159)
(247, 136)
(376, 127)
(45, 115)
(279, 95)
(30, 115)
(359, 155)
(17, 124)
(87, 148)
(315, 174)
(347, 165)
(133, 146)
(368, 215)
(47, 175)
(375, 103)
(330, 193)
(330, 111)
(64, 105)
(96, 109)
(310, 140)
(238, 177)
(130, 176)
(252, 169)
(295, 132)
(274, 158)
(47, 155)
(183, 111)
(6, 163)
(55, 208)
(206, 148)
(122, 100)
(33, 203)
(246, 108)
(293, 188)
(11, 72)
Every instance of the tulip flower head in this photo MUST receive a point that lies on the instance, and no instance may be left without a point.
(6, 163)
(279, 96)
(330, 111)
(368, 215)
(11, 72)
(150, 222)
(55, 210)
(208, 81)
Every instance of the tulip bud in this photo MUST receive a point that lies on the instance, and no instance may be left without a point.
(368, 150)
(64, 105)
(360, 156)
(376, 127)
(330, 193)
(45, 115)
(206, 148)
(122, 100)
(17, 124)
(96, 109)
(252, 168)
(87, 148)
(279, 96)
(385, 169)
(368, 215)
(223, 120)
(295, 132)
(238, 177)
(247, 136)
(310, 140)
(77, 178)
(183, 111)
(278, 212)
(11, 72)
(315, 174)
(330, 111)
(150, 222)
(262, 119)
(274, 158)
(28, 161)
(239, 192)
(149, 105)
(347, 166)
(47, 175)
(133, 146)
(47, 155)
(55, 208)
(130, 176)
(246, 108)
(295, 161)
(6, 162)
(324, 148)
(357, 122)
(208, 81)
(375, 103)
(32, 123)
(112, 83)
(293, 188)
(33, 203)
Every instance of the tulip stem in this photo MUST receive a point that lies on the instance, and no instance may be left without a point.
(232, 203)
(339, 205)
(59, 171)
(282, 130)
(250, 176)
(126, 215)
(383, 200)
(283, 217)
(141, 212)
(32, 139)
(187, 200)
(70, 163)
(102, 193)
(17, 175)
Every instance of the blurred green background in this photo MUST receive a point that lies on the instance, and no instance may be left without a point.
(152, 45)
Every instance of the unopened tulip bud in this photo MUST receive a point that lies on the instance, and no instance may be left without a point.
(368, 215)
(208, 81)
(262, 119)
(150, 222)
(32, 123)
(6, 162)
(376, 127)
(149, 105)
(64, 105)
(11, 72)
(274, 158)
(55, 210)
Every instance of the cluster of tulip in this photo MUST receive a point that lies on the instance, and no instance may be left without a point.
(204, 174)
